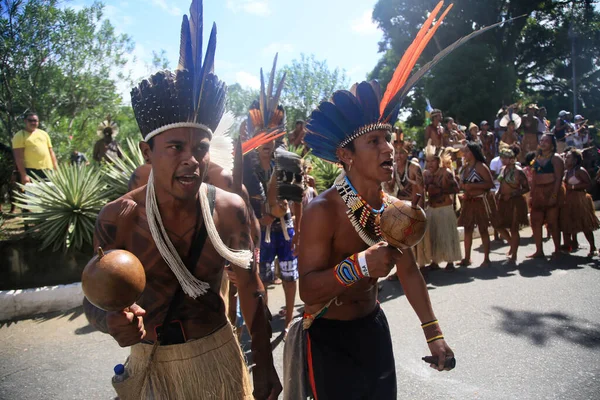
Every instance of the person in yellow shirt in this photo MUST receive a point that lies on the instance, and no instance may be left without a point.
(33, 150)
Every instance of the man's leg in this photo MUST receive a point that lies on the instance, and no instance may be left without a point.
(265, 266)
(288, 265)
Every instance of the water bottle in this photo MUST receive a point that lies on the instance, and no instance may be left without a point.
(120, 374)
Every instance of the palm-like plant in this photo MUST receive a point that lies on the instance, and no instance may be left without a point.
(63, 210)
(118, 172)
(324, 173)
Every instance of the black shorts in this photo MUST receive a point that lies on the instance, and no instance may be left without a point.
(351, 359)
(41, 173)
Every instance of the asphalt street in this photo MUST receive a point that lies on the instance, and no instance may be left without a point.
(530, 331)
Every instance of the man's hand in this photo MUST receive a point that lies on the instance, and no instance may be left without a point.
(441, 350)
(381, 258)
(127, 326)
(231, 275)
(25, 179)
(266, 220)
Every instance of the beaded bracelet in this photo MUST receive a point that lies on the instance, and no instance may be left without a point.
(352, 269)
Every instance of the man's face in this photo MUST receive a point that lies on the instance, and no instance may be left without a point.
(179, 159)
(400, 155)
(299, 127)
(372, 157)
(484, 128)
(31, 123)
(437, 118)
(432, 164)
(266, 150)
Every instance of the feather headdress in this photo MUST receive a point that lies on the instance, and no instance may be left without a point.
(266, 117)
(363, 109)
(192, 96)
(107, 126)
(432, 152)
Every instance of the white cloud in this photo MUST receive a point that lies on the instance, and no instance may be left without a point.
(364, 25)
(277, 47)
(169, 9)
(247, 80)
(255, 7)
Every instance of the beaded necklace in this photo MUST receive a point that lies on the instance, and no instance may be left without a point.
(364, 218)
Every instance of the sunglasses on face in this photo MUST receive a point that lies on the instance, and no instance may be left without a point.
(32, 120)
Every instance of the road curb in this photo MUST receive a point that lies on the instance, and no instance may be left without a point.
(21, 303)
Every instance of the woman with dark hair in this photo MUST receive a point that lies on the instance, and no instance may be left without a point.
(477, 202)
(578, 214)
(512, 207)
(547, 194)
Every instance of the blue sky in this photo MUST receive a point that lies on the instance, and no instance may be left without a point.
(250, 32)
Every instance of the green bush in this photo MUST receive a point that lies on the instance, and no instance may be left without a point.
(63, 210)
(117, 173)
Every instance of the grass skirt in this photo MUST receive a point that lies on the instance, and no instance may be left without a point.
(512, 213)
(212, 367)
(540, 197)
(578, 213)
(477, 211)
(441, 242)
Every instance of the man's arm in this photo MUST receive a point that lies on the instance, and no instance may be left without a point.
(54, 162)
(318, 283)
(19, 155)
(105, 236)
(249, 284)
(256, 314)
(418, 192)
(416, 292)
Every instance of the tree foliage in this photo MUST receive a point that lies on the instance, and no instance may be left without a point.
(528, 59)
(61, 63)
(308, 82)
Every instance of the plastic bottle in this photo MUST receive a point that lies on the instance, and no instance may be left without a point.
(120, 373)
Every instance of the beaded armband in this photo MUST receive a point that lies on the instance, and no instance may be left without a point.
(432, 331)
(352, 269)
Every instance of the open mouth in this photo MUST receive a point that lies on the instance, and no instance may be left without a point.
(188, 180)
(388, 165)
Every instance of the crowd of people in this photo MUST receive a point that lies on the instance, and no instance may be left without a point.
(524, 172)
(195, 211)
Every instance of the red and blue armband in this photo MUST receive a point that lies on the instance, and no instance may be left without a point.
(352, 269)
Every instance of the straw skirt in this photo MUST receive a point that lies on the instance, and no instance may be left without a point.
(441, 242)
(212, 367)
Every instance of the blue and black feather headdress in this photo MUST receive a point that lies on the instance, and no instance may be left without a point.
(363, 109)
(193, 96)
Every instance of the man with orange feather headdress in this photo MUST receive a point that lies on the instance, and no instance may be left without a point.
(343, 341)
(274, 177)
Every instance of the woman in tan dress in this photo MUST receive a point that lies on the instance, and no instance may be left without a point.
(578, 213)
(512, 207)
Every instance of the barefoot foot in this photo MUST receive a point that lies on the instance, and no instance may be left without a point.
(537, 254)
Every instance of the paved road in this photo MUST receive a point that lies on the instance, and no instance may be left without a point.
(526, 332)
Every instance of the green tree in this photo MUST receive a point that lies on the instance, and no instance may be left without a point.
(526, 59)
(61, 63)
(308, 82)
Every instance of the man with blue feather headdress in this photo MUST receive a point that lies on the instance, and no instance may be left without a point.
(184, 232)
